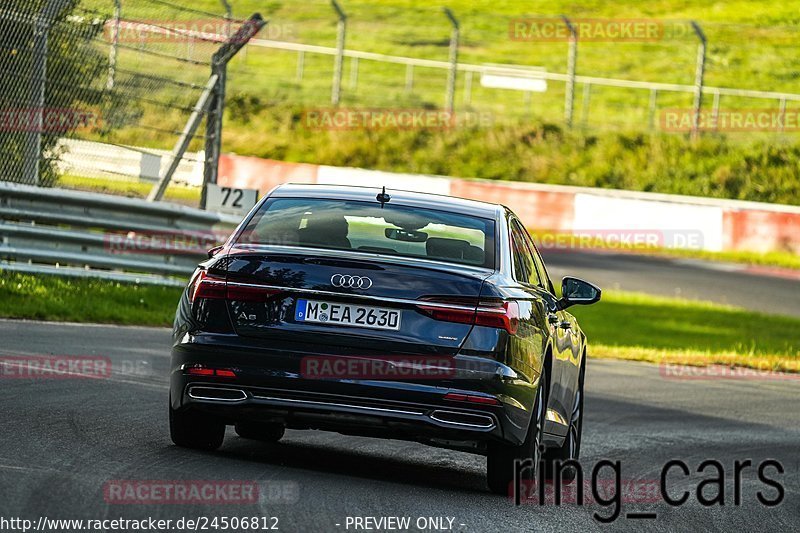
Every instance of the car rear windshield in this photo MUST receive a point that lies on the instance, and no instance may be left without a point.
(367, 227)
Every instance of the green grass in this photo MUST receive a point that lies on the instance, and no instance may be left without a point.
(623, 325)
(85, 300)
(670, 330)
(131, 189)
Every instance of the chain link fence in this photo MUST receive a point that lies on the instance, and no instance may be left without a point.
(400, 57)
(100, 90)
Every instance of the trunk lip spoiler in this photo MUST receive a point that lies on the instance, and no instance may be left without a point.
(369, 297)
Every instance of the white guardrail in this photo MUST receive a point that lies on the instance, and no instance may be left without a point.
(85, 234)
(91, 159)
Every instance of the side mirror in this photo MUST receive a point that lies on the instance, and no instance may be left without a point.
(213, 251)
(575, 291)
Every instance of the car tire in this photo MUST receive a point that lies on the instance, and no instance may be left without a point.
(265, 432)
(190, 429)
(571, 448)
(501, 457)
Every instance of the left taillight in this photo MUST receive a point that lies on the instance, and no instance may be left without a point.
(212, 287)
(207, 286)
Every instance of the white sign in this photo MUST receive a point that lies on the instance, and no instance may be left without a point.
(230, 200)
(518, 79)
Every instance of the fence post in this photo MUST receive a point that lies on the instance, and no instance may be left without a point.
(451, 75)
(409, 77)
(211, 103)
(33, 141)
(112, 54)
(468, 87)
(698, 77)
(572, 58)
(216, 109)
(341, 33)
(652, 108)
(715, 109)
(301, 59)
(587, 98)
(228, 16)
(200, 109)
(354, 73)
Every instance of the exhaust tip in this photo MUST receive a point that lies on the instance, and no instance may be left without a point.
(217, 394)
(465, 420)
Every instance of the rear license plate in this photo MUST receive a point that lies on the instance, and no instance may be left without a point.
(361, 316)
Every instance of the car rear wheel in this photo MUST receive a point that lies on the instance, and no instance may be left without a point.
(501, 457)
(263, 432)
(193, 430)
(571, 448)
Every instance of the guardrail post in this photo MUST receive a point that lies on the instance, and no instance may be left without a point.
(450, 97)
(698, 78)
(38, 79)
(572, 58)
(341, 34)
(112, 53)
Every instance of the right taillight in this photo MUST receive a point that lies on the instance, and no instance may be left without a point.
(493, 314)
(505, 315)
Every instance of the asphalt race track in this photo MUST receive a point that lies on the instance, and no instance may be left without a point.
(695, 280)
(64, 439)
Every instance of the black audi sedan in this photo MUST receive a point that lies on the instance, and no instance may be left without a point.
(392, 314)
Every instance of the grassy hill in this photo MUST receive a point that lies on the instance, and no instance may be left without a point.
(752, 45)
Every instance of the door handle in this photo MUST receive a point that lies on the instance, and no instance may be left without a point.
(552, 319)
(565, 325)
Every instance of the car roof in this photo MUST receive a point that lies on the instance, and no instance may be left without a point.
(398, 197)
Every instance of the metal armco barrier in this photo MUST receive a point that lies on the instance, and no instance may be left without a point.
(72, 233)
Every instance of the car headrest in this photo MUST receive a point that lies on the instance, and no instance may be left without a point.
(326, 231)
(446, 248)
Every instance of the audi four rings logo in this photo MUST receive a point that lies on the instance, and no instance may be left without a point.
(351, 282)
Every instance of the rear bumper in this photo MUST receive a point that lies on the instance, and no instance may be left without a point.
(270, 386)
